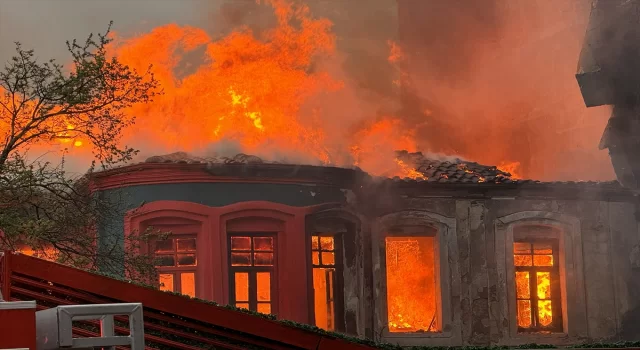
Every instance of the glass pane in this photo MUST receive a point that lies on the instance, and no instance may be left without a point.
(240, 259)
(188, 284)
(328, 258)
(242, 306)
(315, 258)
(165, 245)
(411, 284)
(544, 312)
(524, 313)
(326, 243)
(264, 308)
(323, 306)
(542, 249)
(314, 242)
(543, 279)
(186, 259)
(263, 259)
(242, 286)
(185, 245)
(264, 286)
(543, 260)
(165, 260)
(263, 243)
(521, 248)
(522, 260)
(166, 281)
(240, 243)
(522, 285)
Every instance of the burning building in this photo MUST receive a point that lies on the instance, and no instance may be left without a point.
(460, 254)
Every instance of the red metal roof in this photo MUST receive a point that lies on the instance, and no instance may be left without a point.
(170, 320)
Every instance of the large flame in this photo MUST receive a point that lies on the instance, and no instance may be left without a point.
(260, 90)
(542, 257)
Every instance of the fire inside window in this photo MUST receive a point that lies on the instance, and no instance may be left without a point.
(252, 263)
(411, 284)
(176, 261)
(537, 286)
(326, 286)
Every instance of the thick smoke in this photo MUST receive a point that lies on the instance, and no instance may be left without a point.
(494, 81)
(489, 81)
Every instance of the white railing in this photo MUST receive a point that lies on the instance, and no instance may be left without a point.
(54, 326)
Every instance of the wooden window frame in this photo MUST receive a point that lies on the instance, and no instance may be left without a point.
(177, 271)
(338, 287)
(556, 290)
(253, 270)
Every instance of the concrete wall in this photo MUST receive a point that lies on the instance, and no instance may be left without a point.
(601, 284)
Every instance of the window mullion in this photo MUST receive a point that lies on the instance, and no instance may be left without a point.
(533, 294)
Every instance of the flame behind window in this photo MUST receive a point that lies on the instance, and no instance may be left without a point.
(411, 284)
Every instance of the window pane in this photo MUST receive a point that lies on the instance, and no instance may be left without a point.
(315, 257)
(165, 245)
(264, 286)
(326, 243)
(522, 260)
(411, 284)
(188, 284)
(242, 286)
(521, 248)
(166, 281)
(542, 249)
(522, 285)
(186, 259)
(314, 242)
(165, 260)
(263, 259)
(242, 306)
(524, 313)
(263, 243)
(328, 258)
(240, 259)
(544, 312)
(185, 245)
(322, 292)
(240, 243)
(543, 260)
(543, 279)
(264, 308)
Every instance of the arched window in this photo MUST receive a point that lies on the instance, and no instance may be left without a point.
(175, 253)
(411, 266)
(539, 262)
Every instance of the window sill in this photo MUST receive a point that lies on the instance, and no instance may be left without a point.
(389, 335)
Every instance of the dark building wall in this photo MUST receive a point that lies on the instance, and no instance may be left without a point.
(608, 232)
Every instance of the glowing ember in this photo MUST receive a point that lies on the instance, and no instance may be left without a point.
(411, 284)
(407, 171)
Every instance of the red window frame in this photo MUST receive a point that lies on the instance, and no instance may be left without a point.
(176, 270)
(253, 269)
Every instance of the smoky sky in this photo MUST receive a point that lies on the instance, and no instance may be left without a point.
(491, 80)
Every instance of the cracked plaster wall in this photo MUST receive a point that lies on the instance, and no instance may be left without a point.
(608, 232)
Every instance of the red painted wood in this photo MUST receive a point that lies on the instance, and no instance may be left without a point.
(253, 216)
(5, 262)
(18, 328)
